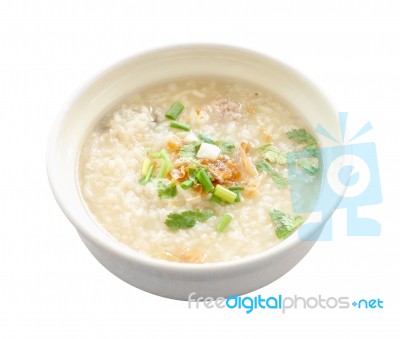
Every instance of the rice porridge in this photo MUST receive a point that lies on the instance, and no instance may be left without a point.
(195, 170)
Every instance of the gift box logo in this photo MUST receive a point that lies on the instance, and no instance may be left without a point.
(351, 167)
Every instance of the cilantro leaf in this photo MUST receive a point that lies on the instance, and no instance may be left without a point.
(308, 166)
(273, 154)
(226, 146)
(302, 137)
(206, 139)
(188, 152)
(312, 152)
(310, 146)
(284, 224)
(263, 148)
(166, 190)
(187, 219)
(277, 176)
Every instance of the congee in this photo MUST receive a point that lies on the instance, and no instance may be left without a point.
(196, 170)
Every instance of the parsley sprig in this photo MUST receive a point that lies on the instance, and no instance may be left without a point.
(302, 137)
(226, 146)
(273, 154)
(308, 166)
(166, 189)
(277, 176)
(188, 152)
(187, 219)
(284, 224)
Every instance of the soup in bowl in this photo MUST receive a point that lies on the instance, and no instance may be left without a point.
(174, 167)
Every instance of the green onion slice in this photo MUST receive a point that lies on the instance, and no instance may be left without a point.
(147, 178)
(174, 111)
(204, 180)
(225, 194)
(180, 125)
(224, 222)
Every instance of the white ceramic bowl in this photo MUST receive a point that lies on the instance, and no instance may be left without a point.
(168, 279)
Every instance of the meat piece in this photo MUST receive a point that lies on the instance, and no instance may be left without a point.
(224, 109)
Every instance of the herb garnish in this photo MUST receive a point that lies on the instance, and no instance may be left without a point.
(308, 166)
(302, 137)
(273, 154)
(277, 176)
(187, 219)
(226, 146)
(310, 145)
(284, 224)
(166, 189)
(188, 152)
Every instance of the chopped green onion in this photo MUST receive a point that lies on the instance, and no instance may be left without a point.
(166, 164)
(155, 155)
(219, 201)
(204, 180)
(224, 222)
(164, 169)
(180, 125)
(225, 194)
(174, 111)
(165, 156)
(236, 188)
(146, 166)
(147, 178)
(187, 184)
(215, 199)
(205, 139)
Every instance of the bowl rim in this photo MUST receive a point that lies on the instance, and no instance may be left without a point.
(110, 244)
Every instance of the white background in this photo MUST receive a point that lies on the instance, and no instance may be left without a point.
(52, 287)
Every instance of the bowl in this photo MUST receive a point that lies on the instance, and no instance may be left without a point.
(163, 278)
